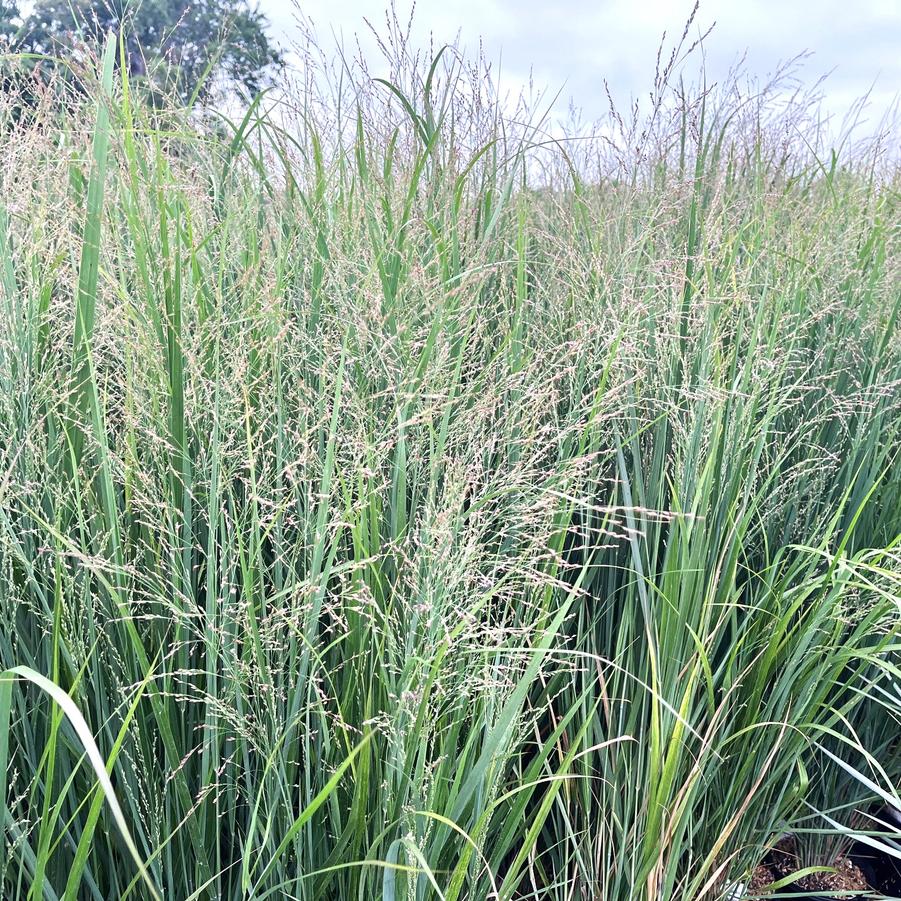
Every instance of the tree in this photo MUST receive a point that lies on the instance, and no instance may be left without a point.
(9, 23)
(207, 46)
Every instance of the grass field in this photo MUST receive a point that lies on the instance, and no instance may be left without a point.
(400, 503)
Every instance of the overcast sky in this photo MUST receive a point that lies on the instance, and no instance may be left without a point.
(576, 44)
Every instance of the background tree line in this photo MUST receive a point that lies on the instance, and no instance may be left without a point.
(197, 50)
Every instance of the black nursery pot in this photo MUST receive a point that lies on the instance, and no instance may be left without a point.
(798, 897)
(882, 871)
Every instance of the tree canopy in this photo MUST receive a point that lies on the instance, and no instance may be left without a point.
(207, 47)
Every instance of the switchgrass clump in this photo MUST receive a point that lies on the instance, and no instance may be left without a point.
(414, 506)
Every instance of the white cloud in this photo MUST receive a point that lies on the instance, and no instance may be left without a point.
(579, 43)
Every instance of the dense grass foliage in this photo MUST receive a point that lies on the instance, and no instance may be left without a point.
(417, 506)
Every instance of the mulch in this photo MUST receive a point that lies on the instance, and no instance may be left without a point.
(863, 870)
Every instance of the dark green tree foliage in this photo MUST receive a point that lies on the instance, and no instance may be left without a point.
(174, 47)
(9, 24)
